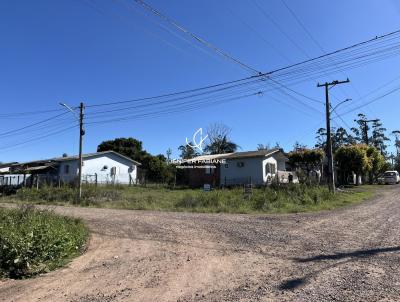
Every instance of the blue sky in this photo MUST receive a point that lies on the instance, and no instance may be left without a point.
(102, 51)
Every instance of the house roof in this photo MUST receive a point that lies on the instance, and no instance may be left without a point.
(89, 155)
(208, 157)
(75, 157)
(246, 154)
(258, 153)
(6, 165)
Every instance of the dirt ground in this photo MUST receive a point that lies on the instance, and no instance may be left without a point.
(350, 254)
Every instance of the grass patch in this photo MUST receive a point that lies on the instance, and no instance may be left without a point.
(33, 241)
(284, 199)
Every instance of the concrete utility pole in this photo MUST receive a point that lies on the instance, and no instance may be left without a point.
(81, 134)
(331, 177)
(365, 128)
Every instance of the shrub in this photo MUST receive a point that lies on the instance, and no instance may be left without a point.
(33, 241)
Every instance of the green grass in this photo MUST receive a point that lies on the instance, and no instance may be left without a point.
(286, 199)
(33, 241)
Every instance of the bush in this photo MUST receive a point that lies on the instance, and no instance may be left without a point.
(33, 241)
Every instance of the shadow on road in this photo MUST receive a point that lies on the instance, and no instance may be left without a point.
(354, 254)
(358, 254)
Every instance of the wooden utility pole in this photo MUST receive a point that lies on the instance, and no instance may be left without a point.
(331, 176)
(81, 134)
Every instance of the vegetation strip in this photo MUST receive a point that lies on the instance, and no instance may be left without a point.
(33, 241)
(273, 199)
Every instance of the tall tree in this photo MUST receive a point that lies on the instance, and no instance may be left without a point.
(340, 137)
(129, 147)
(379, 138)
(321, 139)
(188, 152)
(221, 145)
(263, 146)
(218, 139)
(361, 131)
(396, 134)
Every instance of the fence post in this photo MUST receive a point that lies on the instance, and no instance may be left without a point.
(37, 181)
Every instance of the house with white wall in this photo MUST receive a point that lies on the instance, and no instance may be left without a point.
(256, 167)
(100, 167)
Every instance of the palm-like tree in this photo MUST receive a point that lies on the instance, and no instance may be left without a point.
(221, 145)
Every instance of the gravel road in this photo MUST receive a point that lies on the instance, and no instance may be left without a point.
(351, 254)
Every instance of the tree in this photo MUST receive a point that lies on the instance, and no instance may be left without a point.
(340, 137)
(263, 147)
(306, 159)
(361, 131)
(379, 137)
(129, 147)
(218, 140)
(298, 146)
(268, 146)
(360, 159)
(169, 153)
(352, 159)
(321, 139)
(378, 163)
(221, 145)
(155, 167)
(188, 152)
(396, 134)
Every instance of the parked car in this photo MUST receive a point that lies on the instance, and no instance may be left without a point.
(392, 177)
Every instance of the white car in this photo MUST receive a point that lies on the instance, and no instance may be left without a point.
(392, 177)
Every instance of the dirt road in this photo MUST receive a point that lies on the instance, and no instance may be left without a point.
(345, 255)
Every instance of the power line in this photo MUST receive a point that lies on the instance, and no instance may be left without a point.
(195, 37)
(31, 125)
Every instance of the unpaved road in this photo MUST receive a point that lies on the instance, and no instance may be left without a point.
(345, 255)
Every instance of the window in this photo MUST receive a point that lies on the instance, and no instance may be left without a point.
(113, 171)
(270, 168)
(240, 164)
(209, 170)
(226, 166)
(66, 169)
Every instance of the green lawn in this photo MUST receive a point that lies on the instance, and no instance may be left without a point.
(288, 199)
(33, 241)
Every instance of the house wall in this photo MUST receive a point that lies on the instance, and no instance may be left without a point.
(197, 177)
(234, 174)
(96, 165)
(254, 168)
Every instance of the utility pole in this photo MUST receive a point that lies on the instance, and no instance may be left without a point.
(81, 134)
(331, 177)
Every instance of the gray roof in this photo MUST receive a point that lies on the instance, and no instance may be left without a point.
(258, 153)
(246, 154)
(75, 157)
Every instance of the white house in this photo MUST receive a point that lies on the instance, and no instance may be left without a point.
(100, 167)
(256, 167)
